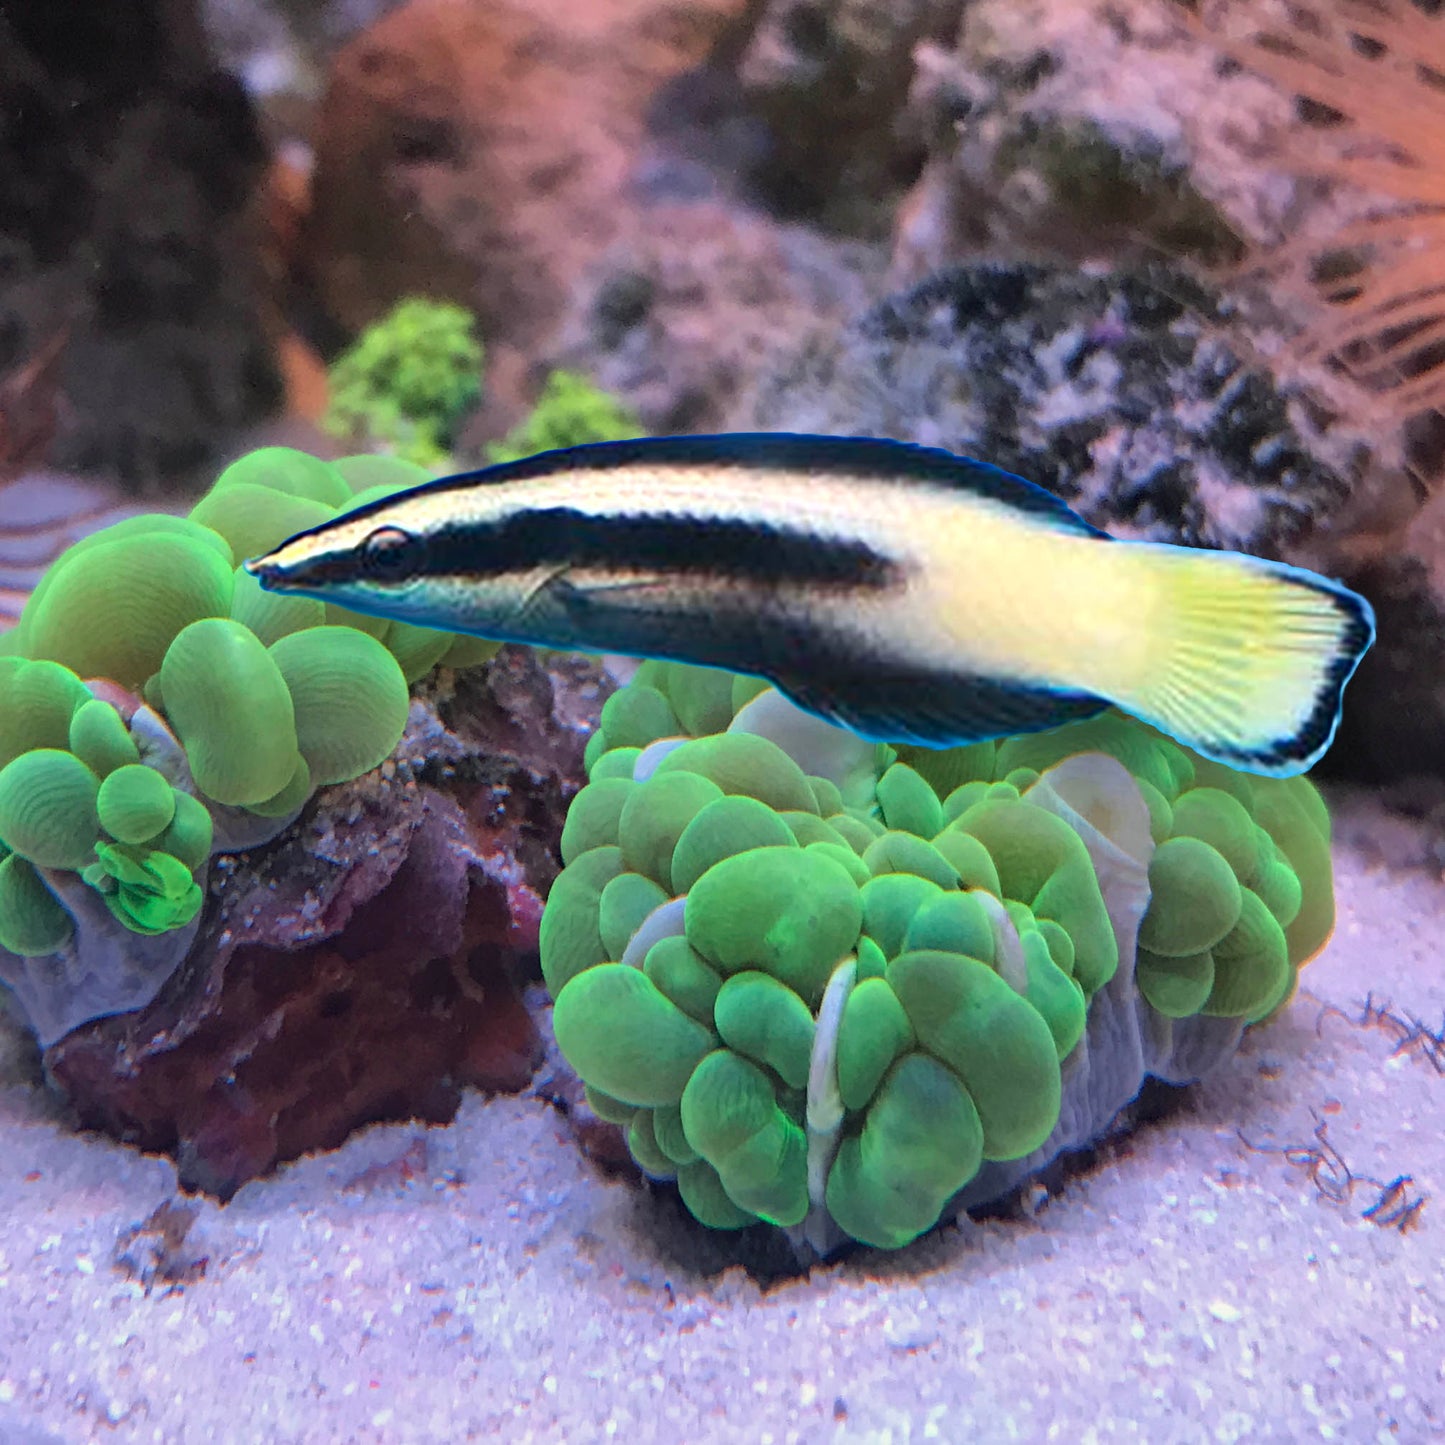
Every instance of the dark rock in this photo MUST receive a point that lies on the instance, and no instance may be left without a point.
(829, 81)
(365, 965)
(127, 167)
(1393, 725)
(1125, 393)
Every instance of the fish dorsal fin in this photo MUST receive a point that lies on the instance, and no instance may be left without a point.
(875, 459)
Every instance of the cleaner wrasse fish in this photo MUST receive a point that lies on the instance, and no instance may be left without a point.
(906, 593)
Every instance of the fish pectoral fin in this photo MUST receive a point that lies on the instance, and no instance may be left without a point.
(545, 594)
(890, 703)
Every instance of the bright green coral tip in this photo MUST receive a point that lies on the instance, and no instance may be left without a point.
(135, 803)
(32, 922)
(148, 891)
(229, 705)
(349, 696)
(48, 810)
(408, 381)
(570, 412)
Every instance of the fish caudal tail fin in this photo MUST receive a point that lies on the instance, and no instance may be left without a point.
(1252, 658)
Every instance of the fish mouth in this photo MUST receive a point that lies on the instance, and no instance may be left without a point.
(264, 569)
(273, 574)
(276, 573)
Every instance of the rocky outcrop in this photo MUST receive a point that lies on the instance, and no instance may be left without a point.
(128, 163)
(368, 964)
(481, 151)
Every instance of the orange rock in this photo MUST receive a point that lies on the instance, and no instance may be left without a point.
(479, 150)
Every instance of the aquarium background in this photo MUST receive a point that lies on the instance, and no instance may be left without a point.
(316, 1169)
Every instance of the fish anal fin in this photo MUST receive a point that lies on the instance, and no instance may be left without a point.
(932, 709)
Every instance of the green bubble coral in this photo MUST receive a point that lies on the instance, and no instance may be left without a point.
(785, 910)
(920, 1142)
(37, 702)
(189, 834)
(253, 518)
(48, 810)
(1196, 899)
(649, 1047)
(272, 615)
(417, 650)
(876, 1007)
(625, 903)
(763, 1019)
(408, 381)
(722, 828)
(908, 803)
(99, 737)
(637, 715)
(148, 891)
(570, 937)
(31, 921)
(968, 1018)
(372, 475)
(349, 700)
(747, 765)
(229, 705)
(135, 804)
(112, 608)
(1042, 862)
(290, 472)
(595, 818)
(571, 411)
(731, 1116)
(146, 523)
(654, 815)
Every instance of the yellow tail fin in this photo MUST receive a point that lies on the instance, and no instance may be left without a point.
(1251, 658)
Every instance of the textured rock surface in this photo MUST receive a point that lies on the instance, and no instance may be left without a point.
(828, 81)
(479, 151)
(1124, 394)
(1093, 129)
(366, 965)
(683, 312)
(127, 167)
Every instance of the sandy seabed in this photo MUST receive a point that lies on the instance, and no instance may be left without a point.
(1195, 1282)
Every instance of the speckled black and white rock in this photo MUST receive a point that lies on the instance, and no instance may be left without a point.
(1125, 393)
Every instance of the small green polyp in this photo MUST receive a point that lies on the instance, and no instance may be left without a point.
(149, 892)
(135, 803)
(32, 922)
(731, 1117)
(230, 707)
(48, 810)
(649, 1048)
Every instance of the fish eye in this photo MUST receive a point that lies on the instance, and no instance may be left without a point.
(389, 553)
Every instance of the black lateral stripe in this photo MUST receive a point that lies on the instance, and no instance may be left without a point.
(873, 459)
(725, 549)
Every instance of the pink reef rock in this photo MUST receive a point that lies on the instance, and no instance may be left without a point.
(368, 963)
